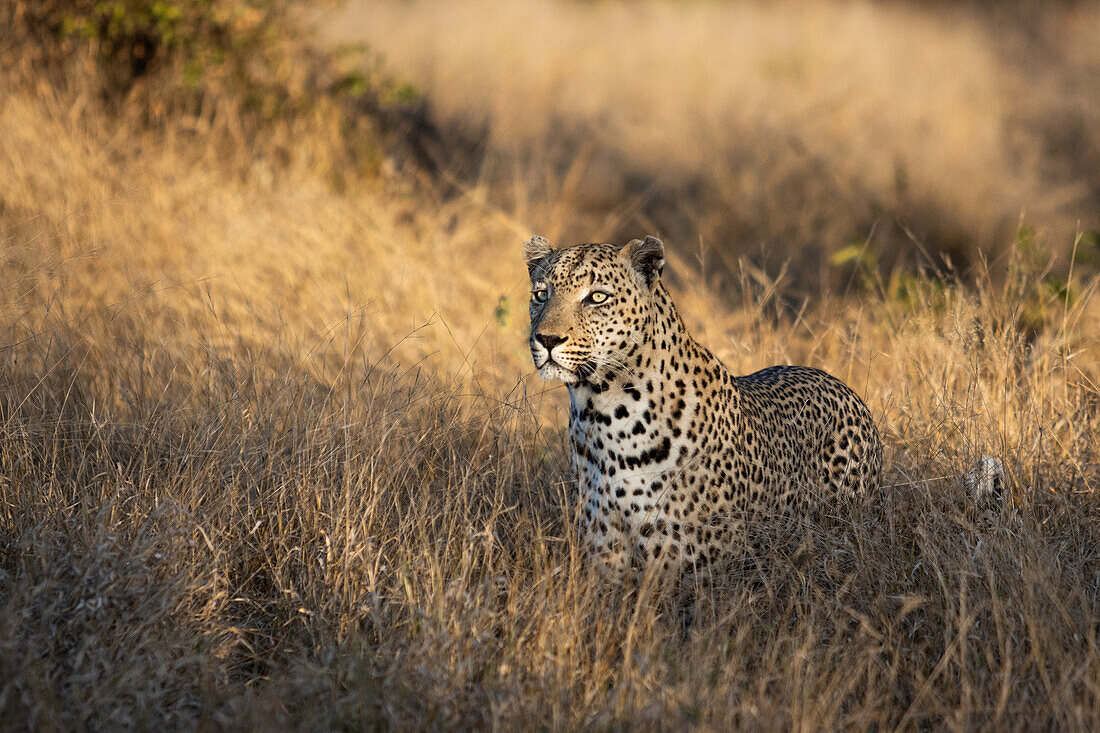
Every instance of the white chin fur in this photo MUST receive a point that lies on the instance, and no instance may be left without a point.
(552, 372)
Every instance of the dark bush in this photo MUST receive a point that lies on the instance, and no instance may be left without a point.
(244, 66)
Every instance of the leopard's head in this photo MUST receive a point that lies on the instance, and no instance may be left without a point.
(589, 303)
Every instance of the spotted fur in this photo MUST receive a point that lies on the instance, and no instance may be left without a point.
(671, 452)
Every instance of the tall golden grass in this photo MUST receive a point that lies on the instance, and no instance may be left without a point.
(272, 455)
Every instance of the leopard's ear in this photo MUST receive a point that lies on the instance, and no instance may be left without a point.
(535, 250)
(647, 256)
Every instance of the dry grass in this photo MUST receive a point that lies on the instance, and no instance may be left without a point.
(770, 129)
(273, 456)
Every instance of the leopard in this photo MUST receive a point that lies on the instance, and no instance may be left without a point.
(672, 453)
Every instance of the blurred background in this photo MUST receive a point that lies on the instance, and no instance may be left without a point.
(919, 135)
(833, 140)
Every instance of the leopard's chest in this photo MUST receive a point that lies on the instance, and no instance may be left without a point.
(624, 460)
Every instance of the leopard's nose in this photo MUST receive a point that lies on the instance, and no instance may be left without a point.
(549, 340)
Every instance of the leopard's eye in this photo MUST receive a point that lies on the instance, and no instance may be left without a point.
(541, 295)
(597, 297)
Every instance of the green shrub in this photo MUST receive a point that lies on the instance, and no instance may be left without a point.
(249, 64)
